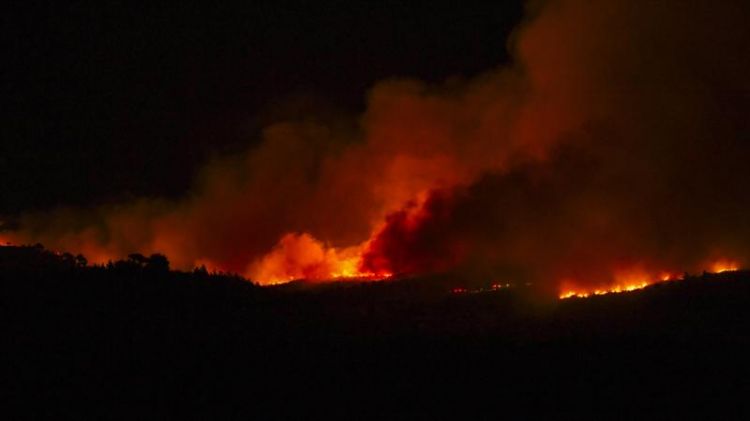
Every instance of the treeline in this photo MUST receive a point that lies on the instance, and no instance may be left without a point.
(35, 258)
(133, 338)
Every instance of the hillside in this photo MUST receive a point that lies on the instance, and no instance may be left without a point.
(133, 338)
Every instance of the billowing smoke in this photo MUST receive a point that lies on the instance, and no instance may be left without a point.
(643, 109)
(614, 148)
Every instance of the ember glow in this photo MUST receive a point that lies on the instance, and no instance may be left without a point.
(568, 289)
(602, 291)
(724, 266)
(617, 138)
(624, 281)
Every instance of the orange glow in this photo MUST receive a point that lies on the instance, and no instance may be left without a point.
(636, 279)
(558, 164)
(625, 280)
(301, 256)
(724, 265)
(666, 276)
(615, 289)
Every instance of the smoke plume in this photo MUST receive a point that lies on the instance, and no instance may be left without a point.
(614, 148)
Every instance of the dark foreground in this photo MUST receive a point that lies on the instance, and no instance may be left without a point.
(137, 341)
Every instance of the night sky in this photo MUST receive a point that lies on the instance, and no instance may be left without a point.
(109, 101)
(565, 143)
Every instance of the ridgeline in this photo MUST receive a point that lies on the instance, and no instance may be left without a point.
(132, 338)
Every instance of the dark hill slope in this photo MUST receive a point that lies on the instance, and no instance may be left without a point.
(134, 338)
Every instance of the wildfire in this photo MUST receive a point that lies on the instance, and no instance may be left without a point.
(612, 290)
(492, 288)
(724, 266)
(719, 266)
(301, 256)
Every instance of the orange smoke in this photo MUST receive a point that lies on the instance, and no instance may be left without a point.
(724, 266)
(300, 256)
(616, 139)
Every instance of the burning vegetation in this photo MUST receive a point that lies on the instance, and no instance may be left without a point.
(611, 154)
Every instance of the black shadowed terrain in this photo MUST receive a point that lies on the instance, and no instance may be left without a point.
(135, 339)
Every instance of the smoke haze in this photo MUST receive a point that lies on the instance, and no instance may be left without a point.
(614, 148)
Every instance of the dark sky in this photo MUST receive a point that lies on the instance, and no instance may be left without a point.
(106, 101)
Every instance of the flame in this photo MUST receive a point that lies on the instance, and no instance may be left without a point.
(724, 265)
(637, 279)
(521, 167)
(666, 276)
(301, 256)
(614, 289)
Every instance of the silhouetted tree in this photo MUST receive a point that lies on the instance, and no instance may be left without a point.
(81, 260)
(157, 263)
(138, 259)
(68, 259)
(201, 271)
